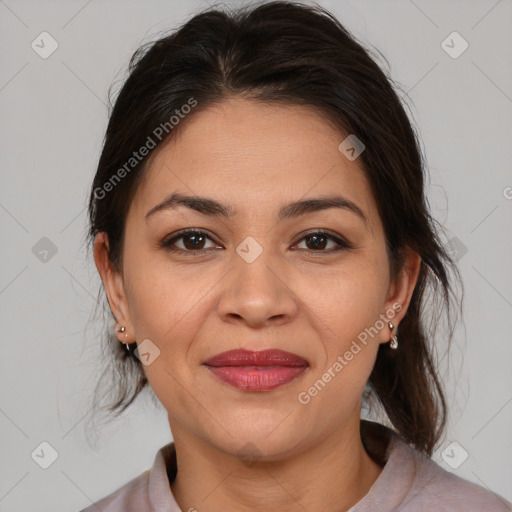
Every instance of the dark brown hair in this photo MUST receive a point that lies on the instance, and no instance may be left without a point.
(296, 55)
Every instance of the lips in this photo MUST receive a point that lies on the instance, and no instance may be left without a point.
(256, 371)
(262, 358)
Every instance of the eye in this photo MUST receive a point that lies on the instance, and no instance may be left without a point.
(191, 240)
(318, 240)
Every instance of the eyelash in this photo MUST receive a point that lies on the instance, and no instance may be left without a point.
(168, 243)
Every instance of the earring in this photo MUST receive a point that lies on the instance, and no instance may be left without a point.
(394, 339)
(122, 329)
(128, 347)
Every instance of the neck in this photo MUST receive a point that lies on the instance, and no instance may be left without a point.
(332, 475)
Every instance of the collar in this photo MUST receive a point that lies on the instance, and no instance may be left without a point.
(382, 444)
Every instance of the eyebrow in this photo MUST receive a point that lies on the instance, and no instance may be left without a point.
(211, 207)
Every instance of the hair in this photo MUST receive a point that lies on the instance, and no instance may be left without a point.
(291, 54)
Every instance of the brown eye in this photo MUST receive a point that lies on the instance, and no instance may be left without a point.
(318, 241)
(191, 241)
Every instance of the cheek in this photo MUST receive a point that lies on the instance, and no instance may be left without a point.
(162, 298)
(349, 314)
(169, 309)
(350, 345)
(348, 301)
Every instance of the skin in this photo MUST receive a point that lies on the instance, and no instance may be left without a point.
(256, 158)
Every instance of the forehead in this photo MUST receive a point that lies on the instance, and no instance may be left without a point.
(253, 156)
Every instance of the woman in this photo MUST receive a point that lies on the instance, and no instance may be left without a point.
(259, 223)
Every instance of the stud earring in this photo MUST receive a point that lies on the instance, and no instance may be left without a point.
(394, 339)
(122, 329)
(128, 347)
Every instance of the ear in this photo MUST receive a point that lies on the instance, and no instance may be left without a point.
(113, 282)
(400, 291)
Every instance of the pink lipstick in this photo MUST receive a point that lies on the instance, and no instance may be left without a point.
(256, 371)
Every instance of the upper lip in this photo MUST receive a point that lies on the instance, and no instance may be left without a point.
(242, 357)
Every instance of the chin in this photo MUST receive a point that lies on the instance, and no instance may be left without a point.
(262, 441)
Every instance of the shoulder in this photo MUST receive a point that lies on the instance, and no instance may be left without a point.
(412, 482)
(146, 492)
(131, 496)
(435, 487)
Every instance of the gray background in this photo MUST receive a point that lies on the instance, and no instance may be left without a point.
(53, 121)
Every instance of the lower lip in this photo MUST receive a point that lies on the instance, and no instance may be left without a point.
(263, 378)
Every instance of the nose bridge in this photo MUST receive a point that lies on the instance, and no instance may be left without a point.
(256, 290)
(255, 264)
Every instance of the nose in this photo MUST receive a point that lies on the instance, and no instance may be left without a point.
(257, 294)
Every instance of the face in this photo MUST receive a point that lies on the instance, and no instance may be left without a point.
(307, 282)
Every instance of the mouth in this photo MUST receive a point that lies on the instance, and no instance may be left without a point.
(256, 371)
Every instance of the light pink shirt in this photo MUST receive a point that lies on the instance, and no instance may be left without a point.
(409, 482)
